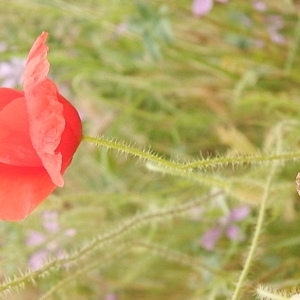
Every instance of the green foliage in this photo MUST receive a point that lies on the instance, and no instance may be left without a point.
(185, 118)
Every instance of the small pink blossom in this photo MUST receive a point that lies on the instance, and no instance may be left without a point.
(35, 238)
(37, 260)
(259, 5)
(275, 24)
(210, 238)
(111, 296)
(43, 239)
(232, 232)
(239, 213)
(50, 221)
(203, 7)
(225, 225)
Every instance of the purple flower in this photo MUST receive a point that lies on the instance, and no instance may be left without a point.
(239, 213)
(259, 5)
(225, 225)
(50, 221)
(210, 238)
(275, 23)
(111, 296)
(36, 238)
(203, 7)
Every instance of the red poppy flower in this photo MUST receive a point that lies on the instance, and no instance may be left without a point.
(39, 133)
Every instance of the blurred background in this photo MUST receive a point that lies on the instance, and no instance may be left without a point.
(189, 81)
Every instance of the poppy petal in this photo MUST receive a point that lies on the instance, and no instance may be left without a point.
(72, 134)
(21, 190)
(72, 118)
(15, 143)
(37, 65)
(40, 132)
(45, 112)
(7, 95)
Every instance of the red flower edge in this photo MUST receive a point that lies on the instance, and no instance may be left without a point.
(39, 133)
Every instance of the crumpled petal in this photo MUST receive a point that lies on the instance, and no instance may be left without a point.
(37, 65)
(45, 112)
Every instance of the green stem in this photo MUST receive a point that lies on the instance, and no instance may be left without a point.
(257, 232)
(293, 53)
(100, 241)
(202, 163)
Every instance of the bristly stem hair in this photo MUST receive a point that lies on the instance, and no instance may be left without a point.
(197, 164)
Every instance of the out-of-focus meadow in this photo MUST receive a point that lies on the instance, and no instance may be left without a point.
(191, 193)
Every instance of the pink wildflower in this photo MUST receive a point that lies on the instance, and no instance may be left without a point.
(203, 7)
(226, 225)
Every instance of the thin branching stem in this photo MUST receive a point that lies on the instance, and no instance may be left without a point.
(82, 271)
(111, 236)
(256, 236)
(261, 218)
(198, 164)
(123, 249)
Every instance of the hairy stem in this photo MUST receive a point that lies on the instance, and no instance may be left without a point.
(202, 163)
(257, 232)
(272, 295)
